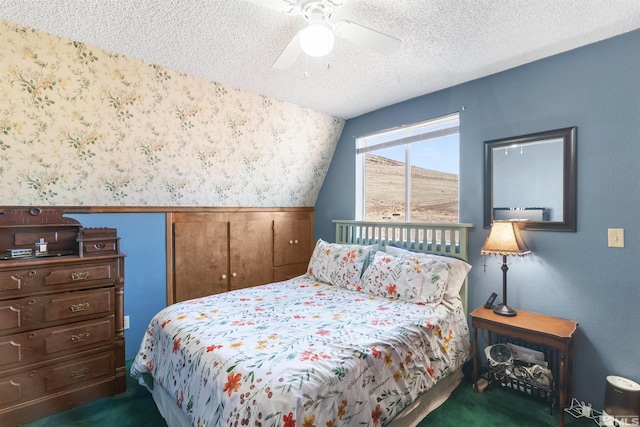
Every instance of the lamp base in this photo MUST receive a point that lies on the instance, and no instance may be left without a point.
(504, 310)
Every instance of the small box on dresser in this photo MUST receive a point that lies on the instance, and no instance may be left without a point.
(61, 315)
(98, 241)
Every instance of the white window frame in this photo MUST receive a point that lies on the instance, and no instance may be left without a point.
(405, 135)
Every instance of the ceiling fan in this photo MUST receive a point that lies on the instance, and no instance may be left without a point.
(316, 39)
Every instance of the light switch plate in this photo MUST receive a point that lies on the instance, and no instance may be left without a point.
(616, 237)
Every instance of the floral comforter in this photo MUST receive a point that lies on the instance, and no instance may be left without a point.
(300, 353)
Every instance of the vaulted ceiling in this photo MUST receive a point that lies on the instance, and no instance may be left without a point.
(236, 42)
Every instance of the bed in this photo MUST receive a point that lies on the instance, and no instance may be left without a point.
(374, 334)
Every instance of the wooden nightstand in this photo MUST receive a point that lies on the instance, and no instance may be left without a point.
(534, 328)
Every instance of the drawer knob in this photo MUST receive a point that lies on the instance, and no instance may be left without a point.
(79, 373)
(33, 273)
(224, 276)
(295, 241)
(80, 337)
(32, 335)
(83, 275)
(291, 242)
(79, 307)
(233, 274)
(31, 301)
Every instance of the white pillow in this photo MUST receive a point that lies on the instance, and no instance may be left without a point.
(406, 278)
(458, 269)
(337, 264)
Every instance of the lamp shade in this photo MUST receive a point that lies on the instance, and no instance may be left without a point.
(504, 239)
(316, 40)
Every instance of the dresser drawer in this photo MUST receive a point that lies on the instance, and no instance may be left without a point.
(78, 371)
(77, 274)
(30, 384)
(100, 247)
(40, 279)
(48, 310)
(34, 346)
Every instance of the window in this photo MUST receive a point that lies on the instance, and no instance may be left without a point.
(409, 174)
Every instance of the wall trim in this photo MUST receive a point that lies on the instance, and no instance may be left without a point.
(165, 209)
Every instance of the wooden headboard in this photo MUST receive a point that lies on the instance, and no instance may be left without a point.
(439, 239)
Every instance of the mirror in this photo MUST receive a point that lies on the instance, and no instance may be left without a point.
(532, 179)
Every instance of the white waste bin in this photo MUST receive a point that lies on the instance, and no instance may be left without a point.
(621, 402)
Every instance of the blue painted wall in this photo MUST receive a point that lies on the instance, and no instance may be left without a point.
(570, 275)
(142, 238)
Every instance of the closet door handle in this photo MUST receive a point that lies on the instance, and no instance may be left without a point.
(224, 276)
(233, 274)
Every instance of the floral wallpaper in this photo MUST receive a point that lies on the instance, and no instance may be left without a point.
(80, 126)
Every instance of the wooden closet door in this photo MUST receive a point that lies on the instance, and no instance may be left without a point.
(293, 244)
(251, 251)
(293, 237)
(201, 259)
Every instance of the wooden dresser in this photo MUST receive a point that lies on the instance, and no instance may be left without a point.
(61, 315)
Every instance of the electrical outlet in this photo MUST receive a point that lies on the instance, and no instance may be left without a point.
(616, 237)
(126, 322)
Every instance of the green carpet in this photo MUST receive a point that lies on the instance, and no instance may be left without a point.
(495, 407)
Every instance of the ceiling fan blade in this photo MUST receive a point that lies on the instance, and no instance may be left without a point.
(367, 37)
(286, 6)
(289, 54)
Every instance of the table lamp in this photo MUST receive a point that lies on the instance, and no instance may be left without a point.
(504, 239)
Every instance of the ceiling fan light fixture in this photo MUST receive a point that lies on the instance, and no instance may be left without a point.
(316, 40)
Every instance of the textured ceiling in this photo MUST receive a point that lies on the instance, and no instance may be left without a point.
(234, 42)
